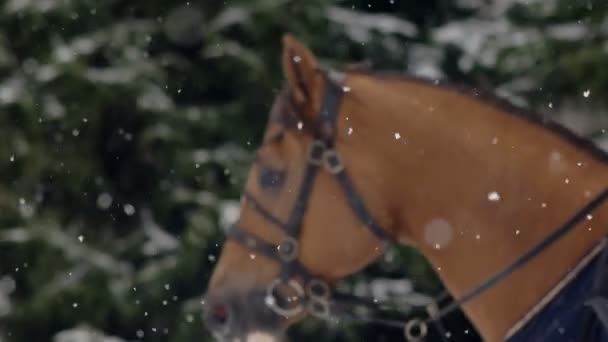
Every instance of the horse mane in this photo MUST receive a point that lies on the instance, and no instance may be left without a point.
(493, 100)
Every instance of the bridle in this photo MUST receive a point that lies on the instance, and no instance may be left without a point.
(315, 295)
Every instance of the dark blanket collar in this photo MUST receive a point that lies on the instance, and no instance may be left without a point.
(559, 316)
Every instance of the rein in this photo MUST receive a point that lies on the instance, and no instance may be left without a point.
(315, 295)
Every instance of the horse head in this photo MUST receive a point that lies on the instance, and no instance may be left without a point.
(289, 246)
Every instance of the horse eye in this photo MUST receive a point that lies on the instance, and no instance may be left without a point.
(270, 178)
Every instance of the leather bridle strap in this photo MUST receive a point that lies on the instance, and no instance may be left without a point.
(357, 206)
(533, 251)
(435, 315)
(321, 154)
(315, 292)
(266, 249)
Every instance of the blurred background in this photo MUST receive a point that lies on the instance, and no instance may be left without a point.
(127, 128)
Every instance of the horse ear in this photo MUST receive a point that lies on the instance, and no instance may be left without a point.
(300, 70)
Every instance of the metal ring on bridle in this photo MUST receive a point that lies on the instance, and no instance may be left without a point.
(315, 152)
(332, 161)
(271, 300)
(415, 330)
(288, 249)
(318, 289)
(319, 308)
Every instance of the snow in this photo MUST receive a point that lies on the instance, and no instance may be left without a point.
(229, 213)
(493, 196)
(586, 93)
(129, 209)
(359, 26)
(104, 201)
(438, 233)
(7, 287)
(84, 334)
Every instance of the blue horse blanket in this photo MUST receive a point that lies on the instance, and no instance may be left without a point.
(564, 318)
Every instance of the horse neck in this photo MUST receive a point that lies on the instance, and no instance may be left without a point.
(475, 186)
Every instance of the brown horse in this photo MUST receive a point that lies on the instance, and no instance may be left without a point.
(468, 180)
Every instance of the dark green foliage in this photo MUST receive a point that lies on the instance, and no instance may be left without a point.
(127, 128)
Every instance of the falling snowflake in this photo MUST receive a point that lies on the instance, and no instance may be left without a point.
(129, 209)
(493, 196)
(397, 136)
(104, 201)
(586, 93)
(438, 233)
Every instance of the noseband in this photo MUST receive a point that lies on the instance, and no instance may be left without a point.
(314, 295)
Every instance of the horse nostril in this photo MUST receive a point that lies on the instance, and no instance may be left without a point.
(218, 315)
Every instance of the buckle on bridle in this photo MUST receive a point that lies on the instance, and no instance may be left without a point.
(318, 292)
(288, 249)
(415, 330)
(319, 308)
(315, 152)
(318, 289)
(271, 299)
(332, 161)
